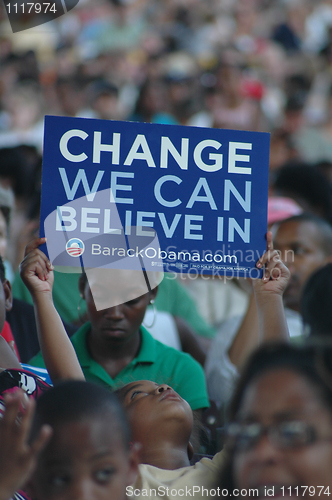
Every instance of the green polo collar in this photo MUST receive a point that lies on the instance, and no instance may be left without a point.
(147, 352)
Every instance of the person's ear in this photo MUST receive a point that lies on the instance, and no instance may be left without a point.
(190, 450)
(153, 293)
(7, 288)
(134, 460)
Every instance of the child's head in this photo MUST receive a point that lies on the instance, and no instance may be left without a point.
(88, 456)
(156, 412)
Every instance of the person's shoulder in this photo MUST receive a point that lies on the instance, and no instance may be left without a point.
(203, 473)
(176, 357)
(36, 371)
(164, 351)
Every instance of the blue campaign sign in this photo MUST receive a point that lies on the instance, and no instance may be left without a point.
(172, 198)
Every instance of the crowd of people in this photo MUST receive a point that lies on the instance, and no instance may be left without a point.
(220, 385)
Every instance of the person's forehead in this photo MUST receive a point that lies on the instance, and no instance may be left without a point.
(139, 384)
(279, 393)
(91, 437)
(117, 286)
(118, 277)
(306, 232)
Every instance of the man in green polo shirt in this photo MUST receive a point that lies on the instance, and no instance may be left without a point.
(113, 348)
(154, 361)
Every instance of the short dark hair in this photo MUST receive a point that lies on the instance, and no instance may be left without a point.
(324, 228)
(313, 360)
(75, 400)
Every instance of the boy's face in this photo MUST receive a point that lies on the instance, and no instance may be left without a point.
(84, 460)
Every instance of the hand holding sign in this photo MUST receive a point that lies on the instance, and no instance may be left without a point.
(36, 270)
(276, 274)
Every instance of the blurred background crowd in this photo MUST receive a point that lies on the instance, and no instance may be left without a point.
(261, 65)
(248, 64)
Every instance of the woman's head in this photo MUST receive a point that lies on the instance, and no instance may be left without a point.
(88, 456)
(281, 414)
(116, 301)
(156, 412)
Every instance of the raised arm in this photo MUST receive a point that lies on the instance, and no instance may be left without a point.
(268, 294)
(265, 318)
(58, 352)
